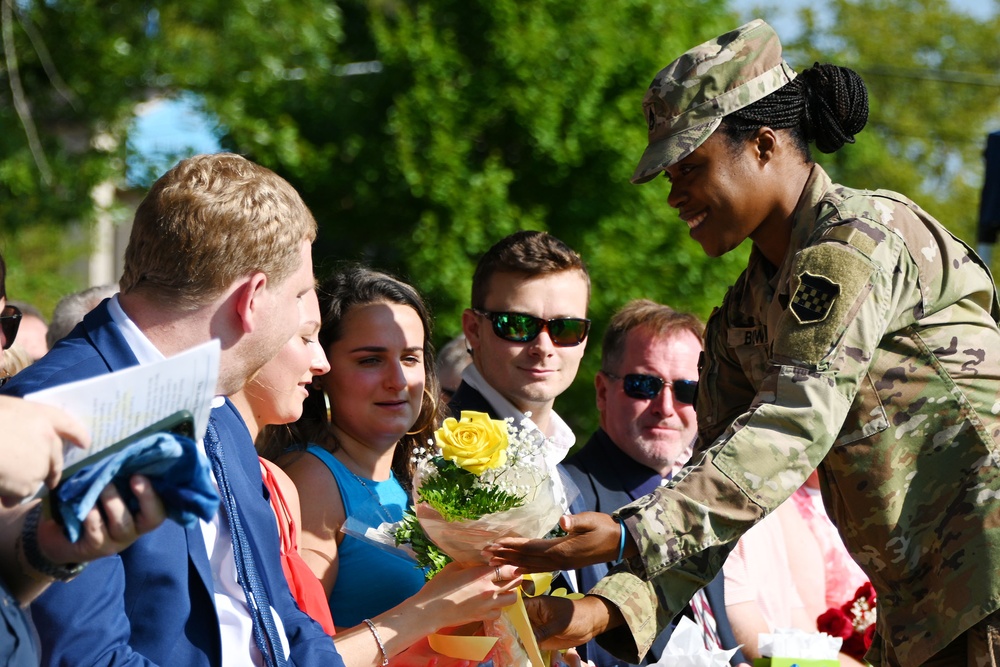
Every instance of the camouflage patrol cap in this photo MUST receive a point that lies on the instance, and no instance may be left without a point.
(688, 98)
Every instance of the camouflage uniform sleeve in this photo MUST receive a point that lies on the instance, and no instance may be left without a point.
(644, 618)
(648, 607)
(842, 295)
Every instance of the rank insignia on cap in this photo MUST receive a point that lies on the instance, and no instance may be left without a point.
(813, 298)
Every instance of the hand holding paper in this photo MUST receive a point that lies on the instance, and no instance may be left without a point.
(107, 530)
(179, 473)
(33, 445)
(117, 405)
(118, 408)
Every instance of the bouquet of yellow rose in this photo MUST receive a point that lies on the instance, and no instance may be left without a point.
(481, 479)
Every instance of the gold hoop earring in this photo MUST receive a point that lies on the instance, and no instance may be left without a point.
(430, 397)
(329, 408)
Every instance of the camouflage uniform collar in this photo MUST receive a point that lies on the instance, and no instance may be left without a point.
(761, 272)
(804, 223)
(805, 218)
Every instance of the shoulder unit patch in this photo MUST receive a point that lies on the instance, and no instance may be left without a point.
(813, 298)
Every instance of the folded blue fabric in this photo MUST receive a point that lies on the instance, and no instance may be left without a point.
(180, 474)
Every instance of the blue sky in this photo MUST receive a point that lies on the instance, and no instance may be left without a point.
(782, 14)
(165, 130)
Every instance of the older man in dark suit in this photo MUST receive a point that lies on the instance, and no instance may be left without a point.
(645, 396)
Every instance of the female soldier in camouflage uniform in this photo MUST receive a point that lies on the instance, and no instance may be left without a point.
(855, 341)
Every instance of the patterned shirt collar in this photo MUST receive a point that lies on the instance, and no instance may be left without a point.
(561, 439)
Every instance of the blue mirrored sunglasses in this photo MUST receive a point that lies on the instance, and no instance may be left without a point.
(647, 387)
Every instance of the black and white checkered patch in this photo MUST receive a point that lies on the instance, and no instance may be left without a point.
(814, 298)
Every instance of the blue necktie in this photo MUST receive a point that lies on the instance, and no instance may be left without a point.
(265, 632)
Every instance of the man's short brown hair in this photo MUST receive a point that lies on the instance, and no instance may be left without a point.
(209, 221)
(529, 253)
(657, 318)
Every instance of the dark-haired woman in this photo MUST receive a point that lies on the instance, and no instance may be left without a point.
(857, 341)
(381, 391)
(373, 402)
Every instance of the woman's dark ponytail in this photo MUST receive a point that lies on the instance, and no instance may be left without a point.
(826, 105)
(836, 105)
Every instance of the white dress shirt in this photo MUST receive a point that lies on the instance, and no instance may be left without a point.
(557, 445)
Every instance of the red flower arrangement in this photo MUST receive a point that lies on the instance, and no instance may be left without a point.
(854, 622)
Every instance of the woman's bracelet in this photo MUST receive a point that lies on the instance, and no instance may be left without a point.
(378, 640)
(621, 543)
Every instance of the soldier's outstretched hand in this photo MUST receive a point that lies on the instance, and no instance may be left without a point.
(592, 537)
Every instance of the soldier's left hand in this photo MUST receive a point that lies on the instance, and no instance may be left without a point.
(564, 623)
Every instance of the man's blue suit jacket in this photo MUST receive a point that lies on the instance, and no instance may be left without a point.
(595, 471)
(153, 603)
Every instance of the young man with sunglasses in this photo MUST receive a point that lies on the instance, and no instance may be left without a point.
(527, 331)
(645, 396)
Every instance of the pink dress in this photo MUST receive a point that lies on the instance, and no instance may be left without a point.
(843, 576)
(758, 571)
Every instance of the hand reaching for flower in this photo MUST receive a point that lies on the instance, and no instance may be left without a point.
(480, 480)
(459, 594)
(483, 478)
(592, 537)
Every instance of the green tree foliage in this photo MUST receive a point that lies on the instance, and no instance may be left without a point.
(72, 73)
(489, 116)
(419, 132)
(48, 178)
(422, 131)
(35, 269)
(934, 93)
(50, 154)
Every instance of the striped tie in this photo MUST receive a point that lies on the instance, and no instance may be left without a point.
(706, 620)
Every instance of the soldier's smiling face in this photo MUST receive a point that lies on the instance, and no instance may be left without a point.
(722, 192)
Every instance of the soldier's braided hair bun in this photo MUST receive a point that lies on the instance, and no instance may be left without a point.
(836, 105)
(825, 104)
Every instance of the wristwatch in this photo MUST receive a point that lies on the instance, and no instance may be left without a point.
(34, 556)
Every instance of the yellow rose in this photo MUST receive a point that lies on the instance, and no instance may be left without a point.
(475, 442)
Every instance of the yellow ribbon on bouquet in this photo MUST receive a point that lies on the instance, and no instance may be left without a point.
(477, 648)
(462, 648)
